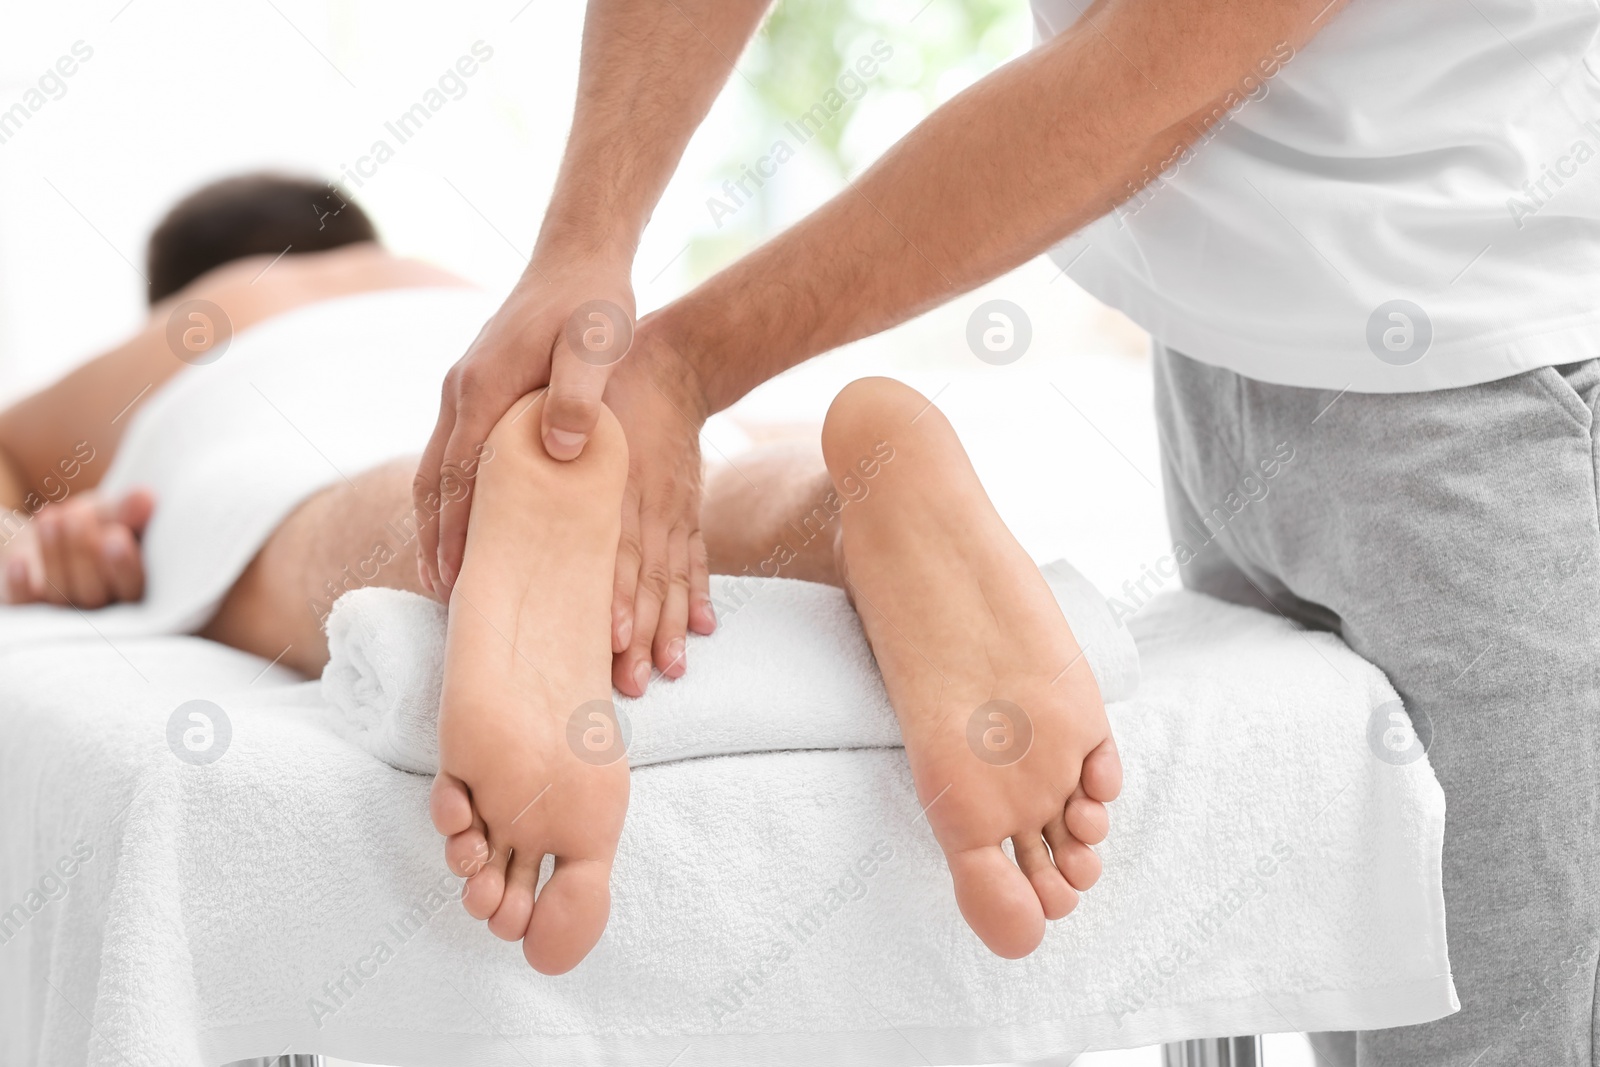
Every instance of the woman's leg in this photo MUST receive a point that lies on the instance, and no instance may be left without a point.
(528, 655)
(526, 723)
(350, 535)
(1002, 718)
(972, 645)
(956, 612)
(773, 514)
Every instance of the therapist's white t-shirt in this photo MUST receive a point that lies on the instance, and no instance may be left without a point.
(1411, 201)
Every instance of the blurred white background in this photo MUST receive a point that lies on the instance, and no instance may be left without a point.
(177, 92)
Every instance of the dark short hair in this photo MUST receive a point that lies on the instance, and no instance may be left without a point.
(249, 215)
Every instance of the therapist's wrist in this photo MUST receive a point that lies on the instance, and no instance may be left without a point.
(587, 232)
(580, 268)
(691, 342)
(657, 355)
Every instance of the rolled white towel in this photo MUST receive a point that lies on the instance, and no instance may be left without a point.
(788, 668)
(1106, 643)
(385, 674)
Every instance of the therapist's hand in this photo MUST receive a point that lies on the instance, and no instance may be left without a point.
(83, 551)
(562, 301)
(662, 585)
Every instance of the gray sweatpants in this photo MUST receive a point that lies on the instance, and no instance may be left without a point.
(1453, 539)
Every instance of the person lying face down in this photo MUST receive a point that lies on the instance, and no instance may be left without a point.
(246, 216)
(256, 245)
(1006, 732)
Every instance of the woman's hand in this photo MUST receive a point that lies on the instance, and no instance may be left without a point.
(82, 552)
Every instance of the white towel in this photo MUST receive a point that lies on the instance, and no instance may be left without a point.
(798, 644)
(300, 402)
(1265, 871)
(385, 673)
(296, 403)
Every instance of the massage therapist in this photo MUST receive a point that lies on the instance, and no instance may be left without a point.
(1368, 231)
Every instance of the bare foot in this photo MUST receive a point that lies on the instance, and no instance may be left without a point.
(530, 754)
(1003, 722)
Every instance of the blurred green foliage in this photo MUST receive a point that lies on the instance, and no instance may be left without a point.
(805, 45)
(800, 54)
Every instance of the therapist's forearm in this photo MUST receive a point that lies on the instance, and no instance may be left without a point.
(650, 72)
(989, 180)
(994, 177)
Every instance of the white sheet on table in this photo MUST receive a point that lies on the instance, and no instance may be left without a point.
(222, 902)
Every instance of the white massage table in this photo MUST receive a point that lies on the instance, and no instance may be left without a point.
(231, 910)
(159, 911)
(1213, 1052)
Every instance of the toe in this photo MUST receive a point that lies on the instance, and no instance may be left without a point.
(466, 852)
(998, 901)
(1102, 772)
(449, 805)
(1076, 861)
(510, 920)
(569, 916)
(481, 895)
(1055, 896)
(1087, 820)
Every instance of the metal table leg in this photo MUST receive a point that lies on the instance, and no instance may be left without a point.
(1213, 1052)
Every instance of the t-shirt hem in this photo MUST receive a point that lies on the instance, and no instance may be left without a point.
(1303, 365)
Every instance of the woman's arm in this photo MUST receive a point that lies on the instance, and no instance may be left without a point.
(80, 418)
(60, 440)
(59, 540)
